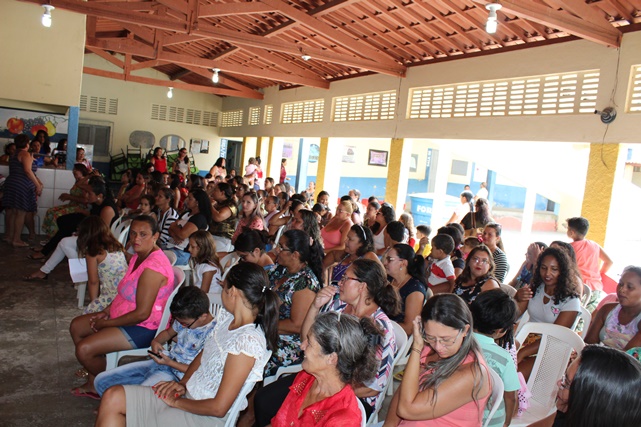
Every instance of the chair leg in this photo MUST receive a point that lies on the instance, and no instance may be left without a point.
(82, 289)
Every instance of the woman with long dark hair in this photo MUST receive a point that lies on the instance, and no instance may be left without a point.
(477, 276)
(384, 216)
(492, 239)
(477, 218)
(224, 214)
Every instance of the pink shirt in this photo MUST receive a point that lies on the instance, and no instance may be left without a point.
(125, 300)
(468, 415)
(257, 224)
(589, 263)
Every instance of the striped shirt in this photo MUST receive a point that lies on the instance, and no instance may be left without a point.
(164, 221)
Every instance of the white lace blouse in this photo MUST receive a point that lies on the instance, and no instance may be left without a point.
(248, 340)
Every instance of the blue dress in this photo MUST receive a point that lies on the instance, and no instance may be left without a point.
(19, 190)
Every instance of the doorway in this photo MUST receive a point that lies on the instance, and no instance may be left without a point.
(234, 156)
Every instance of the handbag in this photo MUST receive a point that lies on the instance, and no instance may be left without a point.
(474, 231)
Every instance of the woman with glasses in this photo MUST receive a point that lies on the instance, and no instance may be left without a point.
(492, 239)
(359, 244)
(181, 163)
(446, 380)
(599, 389)
(477, 275)
(295, 281)
(335, 232)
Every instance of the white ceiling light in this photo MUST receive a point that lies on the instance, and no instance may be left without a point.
(46, 17)
(306, 57)
(215, 78)
(170, 93)
(492, 18)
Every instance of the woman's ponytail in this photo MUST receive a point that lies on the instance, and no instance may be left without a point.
(268, 318)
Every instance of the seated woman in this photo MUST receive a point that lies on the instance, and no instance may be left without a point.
(492, 239)
(526, 272)
(234, 354)
(359, 244)
(384, 216)
(295, 281)
(617, 325)
(197, 217)
(76, 198)
(131, 198)
(407, 271)
(473, 221)
(250, 247)
(224, 215)
(551, 298)
(338, 358)
(165, 213)
(446, 382)
(365, 293)
(595, 391)
(9, 150)
(477, 276)
(133, 317)
(250, 217)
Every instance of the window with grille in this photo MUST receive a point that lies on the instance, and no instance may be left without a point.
(303, 111)
(232, 118)
(371, 106)
(634, 90)
(269, 112)
(254, 116)
(98, 104)
(190, 116)
(564, 93)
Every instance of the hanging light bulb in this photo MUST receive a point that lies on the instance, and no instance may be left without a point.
(170, 93)
(492, 19)
(215, 78)
(46, 17)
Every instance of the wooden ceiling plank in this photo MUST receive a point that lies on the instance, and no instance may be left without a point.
(528, 9)
(90, 26)
(106, 55)
(137, 6)
(359, 47)
(174, 84)
(177, 5)
(222, 79)
(182, 38)
(581, 9)
(123, 46)
(287, 65)
(147, 64)
(144, 33)
(223, 9)
(470, 22)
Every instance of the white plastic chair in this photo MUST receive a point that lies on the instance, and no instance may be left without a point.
(114, 358)
(115, 225)
(497, 395)
(557, 344)
(279, 233)
(234, 411)
(587, 319)
(363, 413)
(228, 261)
(587, 294)
(402, 355)
(291, 369)
(508, 290)
(171, 256)
(216, 303)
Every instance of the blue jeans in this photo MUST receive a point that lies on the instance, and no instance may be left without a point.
(146, 373)
(182, 257)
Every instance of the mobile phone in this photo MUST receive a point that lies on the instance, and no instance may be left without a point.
(154, 354)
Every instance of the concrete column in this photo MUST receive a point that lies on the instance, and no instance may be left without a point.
(398, 170)
(249, 150)
(442, 163)
(72, 136)
(599, 184)
(275, 156)
(328, 175)
(528, 211)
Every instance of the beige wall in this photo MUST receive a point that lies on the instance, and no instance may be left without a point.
(134, 109)
(40, 65)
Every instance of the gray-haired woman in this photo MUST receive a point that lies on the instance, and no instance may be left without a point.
(338, 355)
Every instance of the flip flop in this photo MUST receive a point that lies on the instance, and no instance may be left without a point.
(34, 278)
(33, 257)
(81, 373)
(78, 392)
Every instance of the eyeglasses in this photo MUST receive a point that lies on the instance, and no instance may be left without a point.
(389, 258)
(564, 383)
(242, 257)
(482, 261)
(188, 326)
(282, 248)
(445, 342)
(346, 278)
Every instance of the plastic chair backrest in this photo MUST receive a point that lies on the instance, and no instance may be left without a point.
(522, 321)
(363, 413)
(291, 369)
(557, 343)
(508, 290)
(228, 261)
(497, 395)
(124, 235)
(587, 294)
(115, 226)
(279, 233)
(234, 411)
(587, 319)
(216, 303)
(171, 256)
(401, 341)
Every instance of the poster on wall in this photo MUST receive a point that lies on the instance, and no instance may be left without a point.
(414, 163)
(349, 154)
(288, 150)
(314, 152)
(204, 146)
(14, 122)
(194, 146)
(377, 158)
(223, 148)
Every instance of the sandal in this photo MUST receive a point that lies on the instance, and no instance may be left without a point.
(33, 257)
(32, 278)
(81, 373)
(79, 392)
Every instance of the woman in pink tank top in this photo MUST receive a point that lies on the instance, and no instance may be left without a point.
(335, 232)
(446, 382)
(133, 317)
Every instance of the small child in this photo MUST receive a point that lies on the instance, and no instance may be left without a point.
(442, 277)
(589, 255)
(207, 269)
(147, 205)
(494, 314)
(469, 244)
(191, 326)
(410, 232)
(423, 247)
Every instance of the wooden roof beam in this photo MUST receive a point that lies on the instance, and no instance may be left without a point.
(222, 9)
(106, 55)
(174, 84)
(204, 72)
(527, 9)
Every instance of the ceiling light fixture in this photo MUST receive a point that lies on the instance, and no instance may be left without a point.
(492, 18)
(170, 93)
(306, 57)
(215, 78)
(46, 17)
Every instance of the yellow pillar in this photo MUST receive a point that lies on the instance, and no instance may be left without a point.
(398, 166)
(322, 164)
(259, 144)
(599, 184)
(268, 161)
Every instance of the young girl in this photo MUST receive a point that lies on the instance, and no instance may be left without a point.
(207, 269)
(106, 263)
(408, 222)
(147, 206)
(159, 161)
(469, 244)
(251, 217)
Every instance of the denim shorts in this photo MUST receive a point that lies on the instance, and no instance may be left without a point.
(138, 336)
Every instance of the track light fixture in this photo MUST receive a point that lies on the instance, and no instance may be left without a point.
(170, 93)
(46, 17)
(492, 18)
(215, 78)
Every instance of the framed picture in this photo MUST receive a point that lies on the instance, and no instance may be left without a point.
(377, 158)
(414, 163)
(204, 146)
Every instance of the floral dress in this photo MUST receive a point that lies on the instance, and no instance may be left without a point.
(289, 352)
(50, 221)
(110, 271)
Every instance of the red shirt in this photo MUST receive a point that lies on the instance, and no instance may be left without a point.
(159, 164)
(340, 409)
(283, 174)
